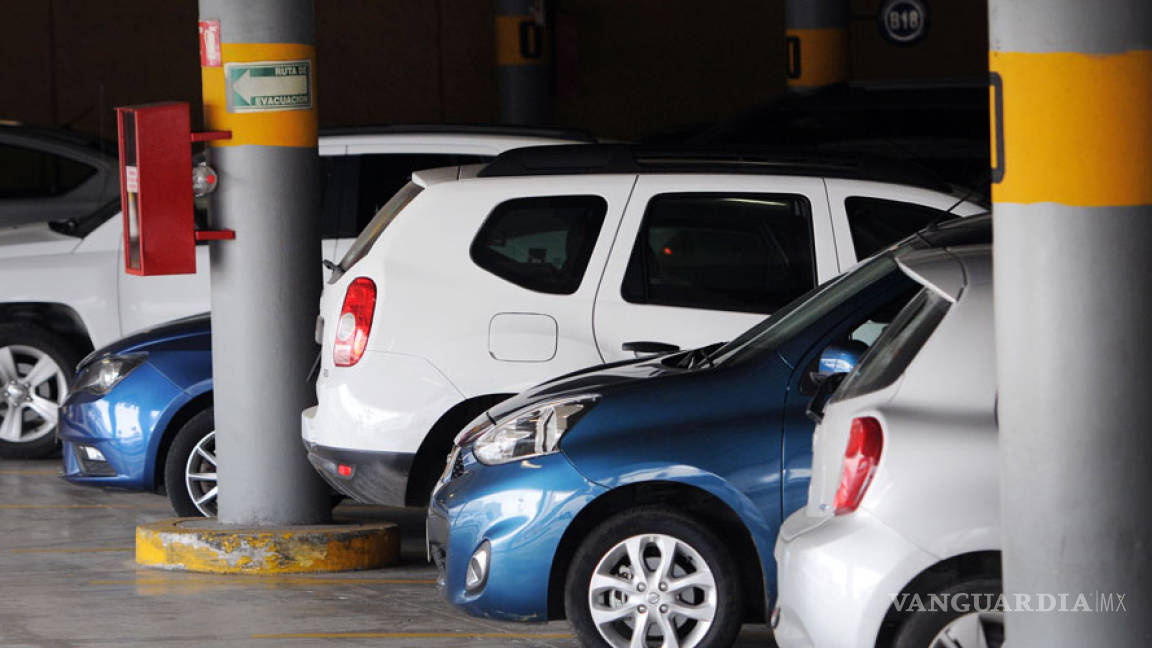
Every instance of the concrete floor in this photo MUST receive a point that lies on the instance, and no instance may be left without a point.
(68, 579)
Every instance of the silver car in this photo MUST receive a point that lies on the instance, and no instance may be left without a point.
(899, 544)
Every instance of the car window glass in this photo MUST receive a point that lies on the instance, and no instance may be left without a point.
(810, 307)
(36, 174)
(735, 252)
(376, 226)
(876, 223)
(382, 174)
(896, 346)
(541, 244)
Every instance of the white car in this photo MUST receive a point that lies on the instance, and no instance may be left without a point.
(899, 544)
(64, 292)
(475, 283)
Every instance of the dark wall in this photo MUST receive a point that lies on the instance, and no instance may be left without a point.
(622, 66)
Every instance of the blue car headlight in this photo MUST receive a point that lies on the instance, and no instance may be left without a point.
(101, 376)
(532, 431)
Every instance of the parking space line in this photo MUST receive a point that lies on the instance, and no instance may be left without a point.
(11, 507)
(241, 580)
(33, 550)
(412, 635)
(29, 471)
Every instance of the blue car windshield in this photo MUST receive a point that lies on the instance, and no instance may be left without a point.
(805, 310)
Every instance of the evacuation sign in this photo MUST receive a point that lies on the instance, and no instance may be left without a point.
(268, 85)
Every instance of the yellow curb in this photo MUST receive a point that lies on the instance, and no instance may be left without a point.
(200, 545)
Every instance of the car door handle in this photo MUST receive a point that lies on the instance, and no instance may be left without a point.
(649, 347)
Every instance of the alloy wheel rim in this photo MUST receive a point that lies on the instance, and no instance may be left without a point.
(33, 386)
(972, 630)
(652, 590)
(200, 475)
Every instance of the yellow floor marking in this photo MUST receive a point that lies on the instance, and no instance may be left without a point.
(71, 550)
(9, 507)
(244, 580)
(412, 635)
(12, 471)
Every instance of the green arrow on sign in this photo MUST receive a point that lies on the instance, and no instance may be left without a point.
(268, 85)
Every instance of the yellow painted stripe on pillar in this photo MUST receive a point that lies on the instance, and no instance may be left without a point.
(1077, 128)
(823, 56)
(270, 128)
(510, 50)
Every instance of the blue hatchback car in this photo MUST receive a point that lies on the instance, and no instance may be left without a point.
(139, 416)
(642, 500)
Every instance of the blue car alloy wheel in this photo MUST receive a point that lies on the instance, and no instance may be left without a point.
(654, 576)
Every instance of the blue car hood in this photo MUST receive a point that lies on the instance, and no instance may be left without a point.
(194, 332)
(592, 379)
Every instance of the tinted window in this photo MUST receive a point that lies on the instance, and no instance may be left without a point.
(541, 244)
(876, 223)
(749, 253)
(35, 174)
(382, 175)
(896, 346)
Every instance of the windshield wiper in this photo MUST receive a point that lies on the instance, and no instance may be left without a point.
(701, 356)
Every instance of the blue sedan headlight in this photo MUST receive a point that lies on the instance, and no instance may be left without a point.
(101, 376)
(532, 431)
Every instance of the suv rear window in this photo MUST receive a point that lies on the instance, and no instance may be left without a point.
(876, 223)
(735, 252)
(896, 346)
(542, 244)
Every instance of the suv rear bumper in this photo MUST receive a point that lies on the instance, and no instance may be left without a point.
(372, 477)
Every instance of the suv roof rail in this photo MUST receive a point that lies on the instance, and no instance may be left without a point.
(478, 129)
(625, 158)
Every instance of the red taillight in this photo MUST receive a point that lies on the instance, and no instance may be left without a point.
(355, 322)
(865, 441)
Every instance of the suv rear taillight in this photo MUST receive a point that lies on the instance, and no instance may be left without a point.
(865, 441)
(355, 322)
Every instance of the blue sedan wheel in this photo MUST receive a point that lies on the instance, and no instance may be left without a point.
(653, 577)
(190, 468)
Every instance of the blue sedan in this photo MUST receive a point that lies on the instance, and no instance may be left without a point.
(140, 416)
(642, 500)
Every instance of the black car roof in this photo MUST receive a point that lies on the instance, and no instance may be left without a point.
(635, 158)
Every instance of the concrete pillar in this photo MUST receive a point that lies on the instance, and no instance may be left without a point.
(817, 40)
(1072, 152)
(266, 283)
(524, 61)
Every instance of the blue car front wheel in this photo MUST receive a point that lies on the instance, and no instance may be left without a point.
(653, 576)
(190, 468)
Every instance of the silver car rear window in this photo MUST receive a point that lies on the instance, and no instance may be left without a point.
(894, 350)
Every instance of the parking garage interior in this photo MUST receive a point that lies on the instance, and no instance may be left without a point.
(575, 323)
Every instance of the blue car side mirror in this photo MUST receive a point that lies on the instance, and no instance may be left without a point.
(838, 359)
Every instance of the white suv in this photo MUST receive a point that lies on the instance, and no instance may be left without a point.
(63, 290)
(477, 282)
(899, 544)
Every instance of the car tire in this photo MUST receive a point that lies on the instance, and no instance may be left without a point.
(191, 459)
(606, 614)
(928, 628)
(36, 371)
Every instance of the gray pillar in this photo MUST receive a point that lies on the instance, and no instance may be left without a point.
(817, 42)
(265, 283)
(1073, 260)
(523, 61)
